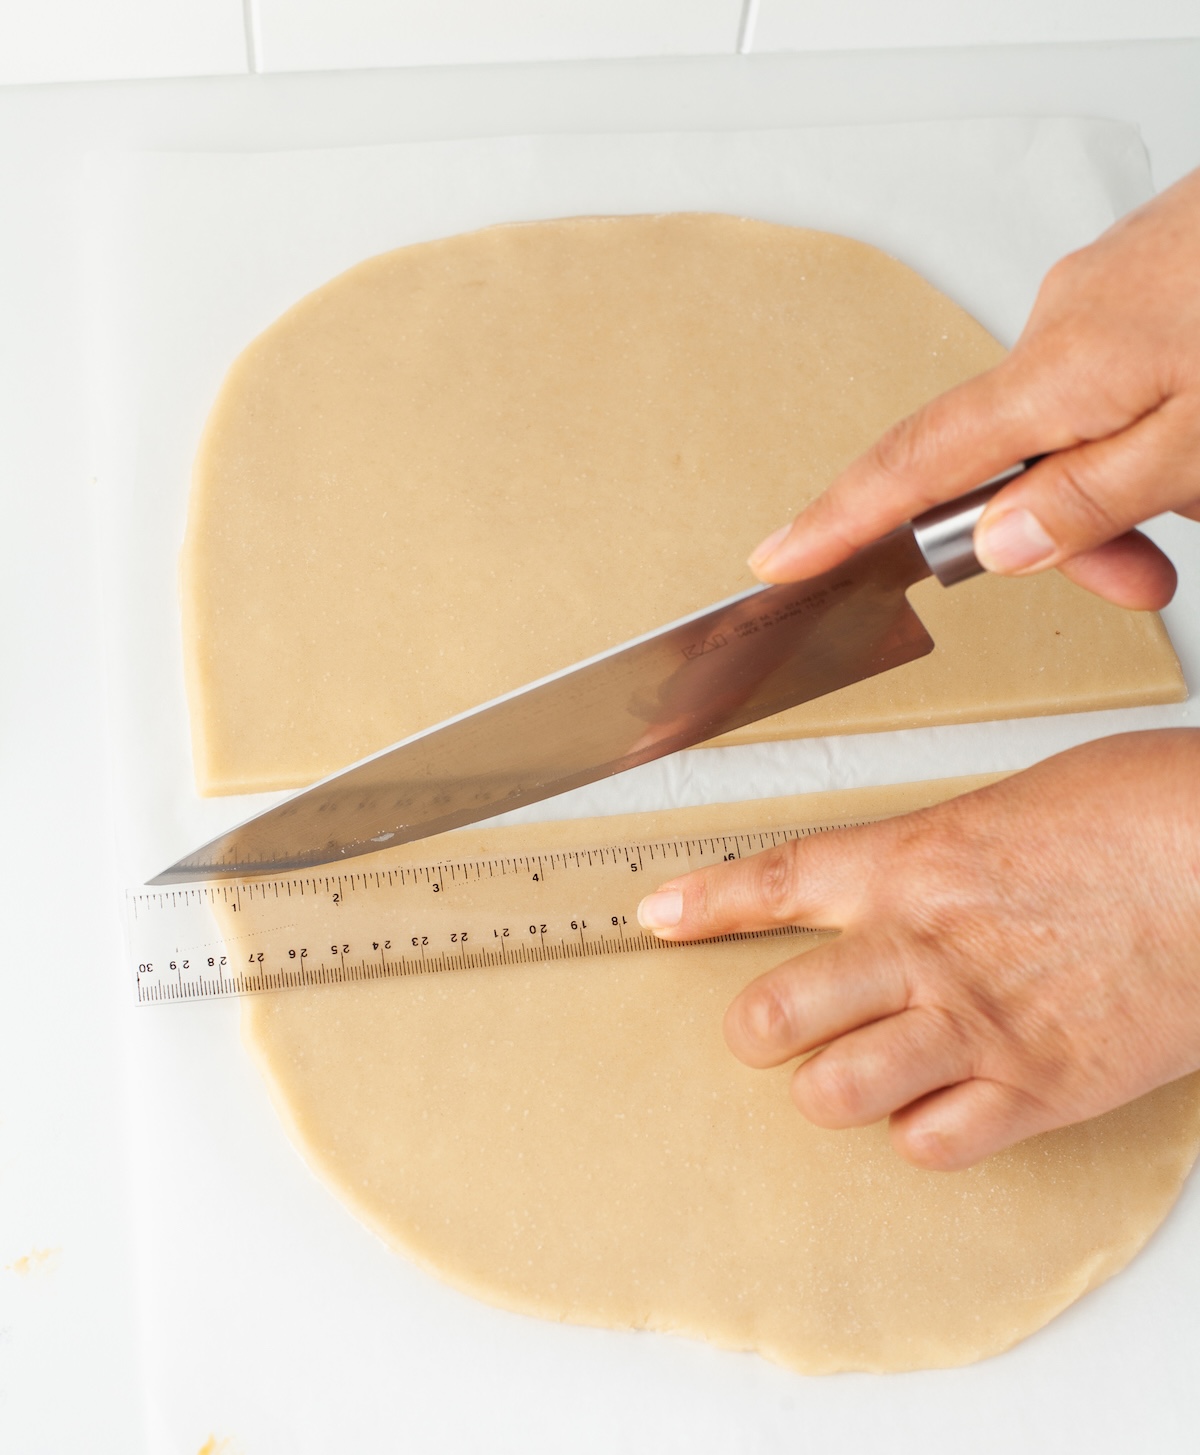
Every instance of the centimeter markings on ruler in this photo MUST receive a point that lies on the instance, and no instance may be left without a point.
(240, 937)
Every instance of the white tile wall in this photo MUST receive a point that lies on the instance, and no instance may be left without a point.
(880, 24)
(80, 40)
(94, 40)
(319, 35)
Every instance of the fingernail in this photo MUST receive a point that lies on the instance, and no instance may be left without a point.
(660, 911)
(762, 553)
(1014, 541)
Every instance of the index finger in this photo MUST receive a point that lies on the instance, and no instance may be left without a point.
(817, 881)
(955, 442)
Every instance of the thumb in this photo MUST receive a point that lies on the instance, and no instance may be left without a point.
(1077, 508)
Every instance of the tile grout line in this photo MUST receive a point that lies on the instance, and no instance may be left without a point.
(253, 41)
(746, 26)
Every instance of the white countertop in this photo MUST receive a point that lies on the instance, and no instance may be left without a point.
(69, 1326)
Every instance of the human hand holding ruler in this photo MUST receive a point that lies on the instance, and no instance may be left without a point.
(362, 922)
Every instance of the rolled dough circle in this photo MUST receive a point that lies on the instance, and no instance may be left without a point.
(465, 464)
(574, 1140)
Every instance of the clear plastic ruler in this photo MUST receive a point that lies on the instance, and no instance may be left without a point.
(343, 923)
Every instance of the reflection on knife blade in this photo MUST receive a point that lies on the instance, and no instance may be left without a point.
(731, 664)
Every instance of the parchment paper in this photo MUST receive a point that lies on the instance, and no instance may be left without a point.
(267, 1311)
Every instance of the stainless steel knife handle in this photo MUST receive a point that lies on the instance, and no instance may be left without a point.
(945, 534)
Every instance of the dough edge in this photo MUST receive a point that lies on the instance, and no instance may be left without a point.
(214, 777)
(1170, 1168)
(1099, 1270)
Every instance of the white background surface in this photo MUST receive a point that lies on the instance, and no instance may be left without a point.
(210, 248)
(69, 1361)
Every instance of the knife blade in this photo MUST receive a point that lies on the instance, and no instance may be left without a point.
(742, 659)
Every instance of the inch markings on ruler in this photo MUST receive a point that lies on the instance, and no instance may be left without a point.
(240, 937)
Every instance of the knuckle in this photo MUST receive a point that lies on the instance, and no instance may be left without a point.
(699, 901)
(759, 1024)
(766, 1015)
(930, 1149)
(1061, 276)
(777, 886)
(897, 453)
(830, 1090)
(1024, 1041)
(953, 1032)
(836, 515)
(924, 886)
(1081, 493)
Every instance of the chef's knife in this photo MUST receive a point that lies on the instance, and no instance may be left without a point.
(746, 658)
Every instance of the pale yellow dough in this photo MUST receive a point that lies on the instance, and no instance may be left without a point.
(465, 464)
(462, 465)
(573, 1140)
